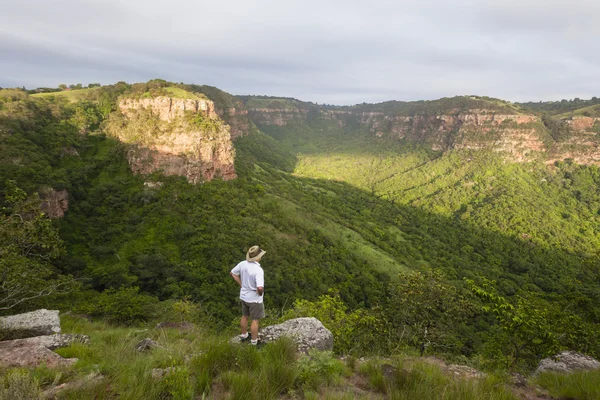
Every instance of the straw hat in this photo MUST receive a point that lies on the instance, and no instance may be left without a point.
(254, 254)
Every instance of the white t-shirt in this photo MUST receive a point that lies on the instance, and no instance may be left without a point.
(252, 277)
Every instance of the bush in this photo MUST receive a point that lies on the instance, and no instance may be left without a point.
(19, 385)
(123, 306)
(318, 368)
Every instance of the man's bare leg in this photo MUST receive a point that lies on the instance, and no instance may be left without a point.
(254, 329)
(244, 324)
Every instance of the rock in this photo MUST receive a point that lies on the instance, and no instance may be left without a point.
(21, 353)
(159, 373)
(54, 202)
(146, 344)
(51, 342)
(388, 371)
(566, 362)
(35, 323)
(309, 333)
(93, 378)
(182, 326)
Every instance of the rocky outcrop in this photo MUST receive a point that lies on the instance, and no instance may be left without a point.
(519, 136)
(54, 202)
(146, 345)
(51, 342)
(33, 351)
(168, 108)
(566, 362)
(20, 354)
(35, 323)
(183, 137)
(308, 333)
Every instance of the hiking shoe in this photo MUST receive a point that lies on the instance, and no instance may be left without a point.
(259, 344)
(245, 339)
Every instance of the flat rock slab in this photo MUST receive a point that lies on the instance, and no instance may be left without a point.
(19, 353)
(51, 342)
(35, 323)
(566, 362)
(308, 333)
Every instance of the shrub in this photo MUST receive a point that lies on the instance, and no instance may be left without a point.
(123, 306)
(19, 385)
(177, 383)
(318, 368)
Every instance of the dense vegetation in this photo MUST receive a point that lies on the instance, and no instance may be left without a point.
(347, 220)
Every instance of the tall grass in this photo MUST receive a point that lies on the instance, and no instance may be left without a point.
(584, 385)
(428, 382)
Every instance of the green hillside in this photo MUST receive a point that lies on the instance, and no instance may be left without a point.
(381, 237)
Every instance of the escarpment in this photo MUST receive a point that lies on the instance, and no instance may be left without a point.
(184, 137)
(518, 135)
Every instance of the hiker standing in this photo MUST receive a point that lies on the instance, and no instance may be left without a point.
(250, 276)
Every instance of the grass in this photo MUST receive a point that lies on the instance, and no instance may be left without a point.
(205, 365)
(425, 381)
(72, 95)
(184, 94)
(584, 385)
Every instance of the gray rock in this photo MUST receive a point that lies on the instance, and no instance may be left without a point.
(51, 342)
(566, 362)
(35, 323)
(309, 333)
(146, 344)
(21, 353)
(159, 373)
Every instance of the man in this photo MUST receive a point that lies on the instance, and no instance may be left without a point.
(250, 276)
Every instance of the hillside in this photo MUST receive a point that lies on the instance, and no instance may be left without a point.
(379, 216)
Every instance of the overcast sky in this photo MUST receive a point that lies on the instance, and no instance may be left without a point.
(326, 51)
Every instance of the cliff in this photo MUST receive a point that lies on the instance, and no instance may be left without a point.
(447, 124)
(178, 136)
(519, 136)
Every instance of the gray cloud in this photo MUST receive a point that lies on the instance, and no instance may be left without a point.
(339, 52)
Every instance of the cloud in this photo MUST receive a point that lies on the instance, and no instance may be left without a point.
(339, 52)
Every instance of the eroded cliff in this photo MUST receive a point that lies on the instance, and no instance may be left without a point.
(178, 136)
(519, 136)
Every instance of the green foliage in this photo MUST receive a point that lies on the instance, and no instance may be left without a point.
(359, 330)
(28, 245)
(19, 385)
(429, 311)
(178, 385)
(527, 329)
(319, 368)
(122, 306)
(425, 381)
(581, 385)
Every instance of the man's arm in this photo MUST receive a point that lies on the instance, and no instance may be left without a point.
(236, 278)
(260, 290)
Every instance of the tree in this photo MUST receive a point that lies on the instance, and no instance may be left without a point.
(62, 86)
(28, 244)
(429, 309)
(526, 330)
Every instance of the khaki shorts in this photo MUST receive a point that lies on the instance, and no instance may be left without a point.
(253, 310)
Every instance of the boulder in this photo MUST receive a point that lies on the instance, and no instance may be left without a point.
(35, 323)
(20, 353)
(309, 333)
(566, 362)
(51, 342)
(145, 345)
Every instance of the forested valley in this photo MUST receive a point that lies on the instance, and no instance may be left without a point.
(391, 244)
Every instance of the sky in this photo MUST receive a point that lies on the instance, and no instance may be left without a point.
(325, 51)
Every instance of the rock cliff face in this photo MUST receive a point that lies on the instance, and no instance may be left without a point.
(54, 202)
(519, 136)
(184, 137)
